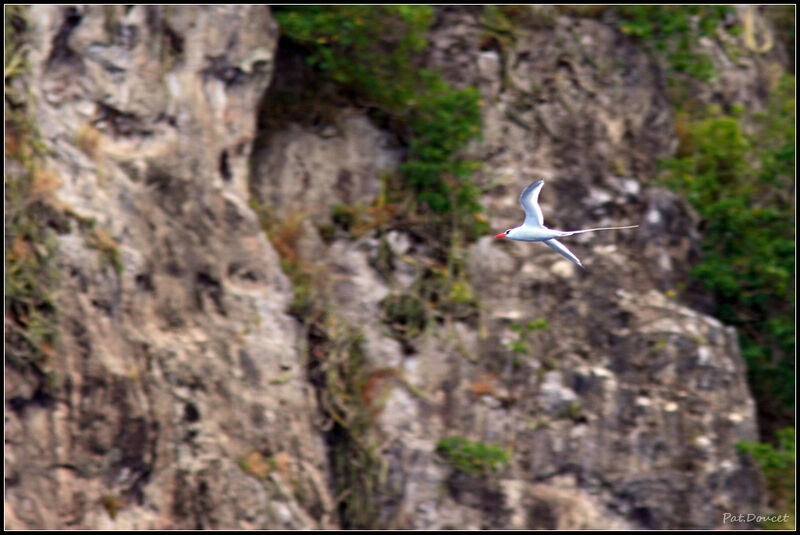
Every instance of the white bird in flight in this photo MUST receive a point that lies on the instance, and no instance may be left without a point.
(533, 229)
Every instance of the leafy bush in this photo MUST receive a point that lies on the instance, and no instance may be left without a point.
(368, 49)
(673, 30)
(374, 54)
(442, 124)
(742, 185)
(778, 466)
(474, 458)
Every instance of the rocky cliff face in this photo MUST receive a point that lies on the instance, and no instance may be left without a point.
(183, 394)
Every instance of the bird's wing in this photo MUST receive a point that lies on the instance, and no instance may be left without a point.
(559, 247)
(530, 203)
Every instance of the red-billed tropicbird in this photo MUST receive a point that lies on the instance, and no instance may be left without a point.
(533, 229)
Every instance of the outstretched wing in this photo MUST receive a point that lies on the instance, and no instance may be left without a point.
(530, 203)
(559, 247)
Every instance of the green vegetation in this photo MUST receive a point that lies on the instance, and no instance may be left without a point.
(345, 216)
(405, 314)
(372, 53)
(438, 293)
(520, 345)
(348, 391)
(285, 235)
(670, 33)
(31, 276)
(442, 123)
(446, 290)
(778, 466)
(357, 220)
(737, 170)
(674, 31)
(473, 458)
(742, 186)
(571, 411)
(367, 49)
(346, 400)
(15, 26)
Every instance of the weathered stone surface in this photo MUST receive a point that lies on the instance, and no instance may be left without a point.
(183, 397)
(307, 170)
(182, 364)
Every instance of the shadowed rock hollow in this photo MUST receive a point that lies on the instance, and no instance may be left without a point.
(183, 394)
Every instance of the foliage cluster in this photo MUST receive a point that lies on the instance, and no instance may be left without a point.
(368, 49)
(520, 345)
(373, 53)
(674, 30)
(742, 185)
(740, 179)
(445, 289)
(473, 458)
(778, 466)
(30, 275)
(438, 293)
(30, 272)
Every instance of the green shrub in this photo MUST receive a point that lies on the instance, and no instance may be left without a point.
(742, 186)
(368, 49)
(474, 458)
(373, 53)
(442, 124)
(673, 31)
(778, 466)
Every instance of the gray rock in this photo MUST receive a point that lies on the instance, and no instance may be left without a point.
(184, 399)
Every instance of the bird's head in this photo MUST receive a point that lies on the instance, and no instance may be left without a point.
(504, 234)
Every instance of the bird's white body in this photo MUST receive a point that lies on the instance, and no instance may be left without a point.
(533, 229)
(529, 233)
